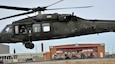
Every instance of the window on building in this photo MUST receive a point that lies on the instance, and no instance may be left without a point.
(0, 58)
(15, 56)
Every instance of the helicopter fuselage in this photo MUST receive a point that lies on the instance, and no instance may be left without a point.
(53, 26)
(49, 26)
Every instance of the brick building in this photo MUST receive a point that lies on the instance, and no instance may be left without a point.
(78, 50)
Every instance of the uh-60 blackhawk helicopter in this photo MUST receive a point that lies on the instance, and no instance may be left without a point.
(50, 26)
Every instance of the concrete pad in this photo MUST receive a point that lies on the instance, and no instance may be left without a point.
(76, 61)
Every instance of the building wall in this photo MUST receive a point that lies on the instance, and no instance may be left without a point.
(4, 49)
(100, 49)
(47, 56)
(22, 57)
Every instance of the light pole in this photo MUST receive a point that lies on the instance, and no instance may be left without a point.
(112, 50)
(108, 50)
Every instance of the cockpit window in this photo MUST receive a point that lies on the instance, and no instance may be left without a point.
(7, 29)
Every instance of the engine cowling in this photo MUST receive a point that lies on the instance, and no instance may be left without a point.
(55, 16)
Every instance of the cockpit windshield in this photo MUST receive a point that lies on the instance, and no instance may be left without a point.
(7, 29)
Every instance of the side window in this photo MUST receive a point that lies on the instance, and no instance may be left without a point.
(16, 29)
(46, 27)
(36, 28)
(20, 29)
(23, 29)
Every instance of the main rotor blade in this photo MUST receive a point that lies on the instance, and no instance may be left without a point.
(15, 8)
(70, 8)
(54, 3)
(16, 15)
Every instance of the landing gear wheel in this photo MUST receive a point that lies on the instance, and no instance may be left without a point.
(29, 45)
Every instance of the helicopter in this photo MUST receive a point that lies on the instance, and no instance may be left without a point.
(50, 26)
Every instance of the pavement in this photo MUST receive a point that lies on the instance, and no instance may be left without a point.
(75, 61)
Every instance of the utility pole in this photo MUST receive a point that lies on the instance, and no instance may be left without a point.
(14, 51)
(42, 47)
(112, 50)
(108, 50)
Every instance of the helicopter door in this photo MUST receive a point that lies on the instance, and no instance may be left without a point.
(36, 28)
(46, 30)
(20, 29)
(46, 27)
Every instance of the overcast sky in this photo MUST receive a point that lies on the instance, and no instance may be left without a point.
(102, 9)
